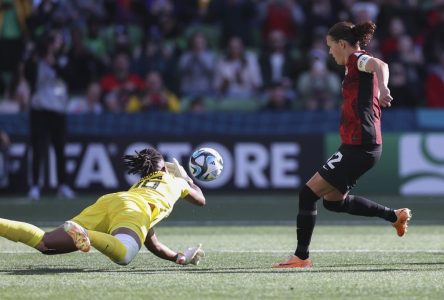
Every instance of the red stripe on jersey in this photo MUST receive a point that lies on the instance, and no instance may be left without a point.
(360, 111)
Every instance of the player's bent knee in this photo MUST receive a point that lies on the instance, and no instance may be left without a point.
(123, 262)
(132, 248)
(336, 206)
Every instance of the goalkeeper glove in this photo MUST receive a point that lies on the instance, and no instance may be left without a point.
(177, 170)
(191, 255)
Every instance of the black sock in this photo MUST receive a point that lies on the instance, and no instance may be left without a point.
(360, 206)
(306, 221)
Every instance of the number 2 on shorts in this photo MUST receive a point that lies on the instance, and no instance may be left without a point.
(335, 158)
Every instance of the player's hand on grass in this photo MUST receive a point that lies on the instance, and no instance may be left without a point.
(191, 255)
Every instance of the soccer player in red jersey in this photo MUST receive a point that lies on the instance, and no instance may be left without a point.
(364, 90)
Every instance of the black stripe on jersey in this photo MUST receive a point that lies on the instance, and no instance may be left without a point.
(365, 108)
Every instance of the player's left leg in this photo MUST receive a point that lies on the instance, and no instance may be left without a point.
(357, 205)
(54, 242)
(355, 162)
(360, 206)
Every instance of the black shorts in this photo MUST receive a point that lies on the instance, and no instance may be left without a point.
(349, 163)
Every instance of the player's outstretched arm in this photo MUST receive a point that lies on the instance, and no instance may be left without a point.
(191, 255)
(159, 249)
(195, 195)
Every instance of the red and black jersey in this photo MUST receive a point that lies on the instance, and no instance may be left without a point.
(360, 112)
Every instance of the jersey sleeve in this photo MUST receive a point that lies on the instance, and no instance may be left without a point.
(184, 187)
(362, 62)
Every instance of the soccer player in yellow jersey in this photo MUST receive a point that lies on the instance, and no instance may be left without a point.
(118, 224)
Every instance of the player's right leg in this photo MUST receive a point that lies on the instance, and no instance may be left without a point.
(306, 221)
(121, 246)
(114, 225)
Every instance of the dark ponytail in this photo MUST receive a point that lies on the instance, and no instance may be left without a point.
(355, 35)
(144, 162)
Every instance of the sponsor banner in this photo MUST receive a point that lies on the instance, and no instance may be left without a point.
(95, 164)
(421, 158)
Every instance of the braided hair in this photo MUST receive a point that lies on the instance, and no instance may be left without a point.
(359, 34)
(144, 162)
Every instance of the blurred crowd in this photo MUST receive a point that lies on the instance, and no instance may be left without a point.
(189, 55)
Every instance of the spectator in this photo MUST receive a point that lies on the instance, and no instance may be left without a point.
(277, 99)
(4, 160)
(148, 57)
(19, 98)
(119, 85)
(46, 72)
(197, 105)
(237, 73)
(22, 90)
(276, 62)
(154, 13)
(284, 16)
(13, 31)
(319, 88)
(389, 44)
(45, 16)
(154, 97)
(374, 48)
(319, 15)
(364, 11)
(404, 92)
(94, 30)
(88, 104)
(434, 43)
(196, 68)
(83, 67)
(160, 56)
(95, 40)
(410, 56)
(236, 18)
(435, 84)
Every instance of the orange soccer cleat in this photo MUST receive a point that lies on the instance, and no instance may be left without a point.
(78, 235)
(404, 215)
(294, 262)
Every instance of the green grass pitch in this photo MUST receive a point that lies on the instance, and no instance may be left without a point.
(351, 262)
(354, 258)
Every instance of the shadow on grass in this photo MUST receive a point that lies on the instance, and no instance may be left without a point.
(42, 271)
(341, 268)
(387, 264)
(49, 271)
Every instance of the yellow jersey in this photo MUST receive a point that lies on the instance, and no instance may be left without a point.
(161, 190)
(144, 205)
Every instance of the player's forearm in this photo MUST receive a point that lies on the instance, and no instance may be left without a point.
(383, 75)
(162, 251)
(195, 195)
(381, 70)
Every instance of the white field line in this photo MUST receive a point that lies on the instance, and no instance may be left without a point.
(283, 251)
(336, 251)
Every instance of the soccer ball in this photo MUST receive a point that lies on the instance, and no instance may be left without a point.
(206, 164)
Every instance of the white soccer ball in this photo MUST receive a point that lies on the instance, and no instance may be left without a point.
(206, 164)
